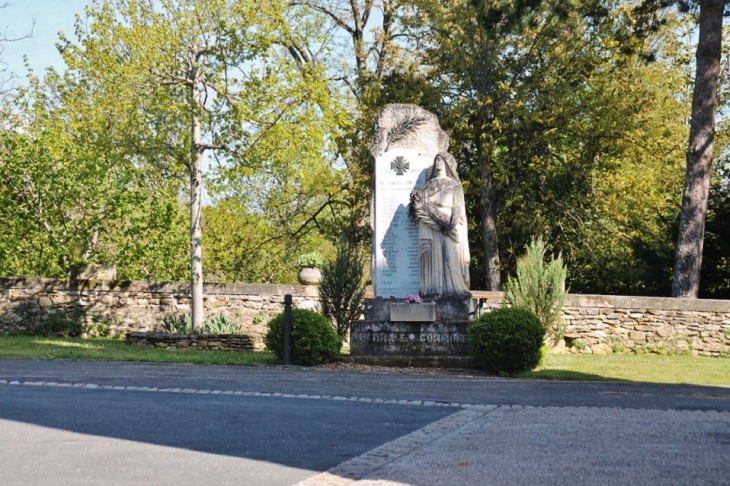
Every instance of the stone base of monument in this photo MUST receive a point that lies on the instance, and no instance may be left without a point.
(394, 333)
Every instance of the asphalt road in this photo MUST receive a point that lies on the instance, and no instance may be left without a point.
(476, 389)
(76, 422)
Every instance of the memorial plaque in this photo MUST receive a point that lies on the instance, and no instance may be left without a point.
(397, 173)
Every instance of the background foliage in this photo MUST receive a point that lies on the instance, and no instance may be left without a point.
(568, 120)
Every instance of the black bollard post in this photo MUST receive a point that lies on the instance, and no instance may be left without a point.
(287, 329)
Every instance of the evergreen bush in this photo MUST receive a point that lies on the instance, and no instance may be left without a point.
(313, 341)
(342, 287)
(539, 287)
(506, 340)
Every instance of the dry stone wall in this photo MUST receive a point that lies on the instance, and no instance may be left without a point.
(595, 323)
(611, 323)
(603, 324)
(133, 306)
(223, 342)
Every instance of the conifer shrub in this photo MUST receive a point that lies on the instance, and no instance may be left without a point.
(313, 340)
(539, 286)
(342, 287)
(506, 340)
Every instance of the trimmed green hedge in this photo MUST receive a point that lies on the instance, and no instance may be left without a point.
(506, 340)
(313, 340)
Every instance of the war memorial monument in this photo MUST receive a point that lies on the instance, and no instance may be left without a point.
(420, 254)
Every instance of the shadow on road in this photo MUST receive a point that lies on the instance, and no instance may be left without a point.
(302, 433)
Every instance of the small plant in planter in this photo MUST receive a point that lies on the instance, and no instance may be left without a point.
(310, 260)
(309, 265)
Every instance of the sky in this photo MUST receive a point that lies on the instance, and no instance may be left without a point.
(51, 17)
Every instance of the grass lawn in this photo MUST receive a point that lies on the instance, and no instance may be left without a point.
(650, 368)
(91, 348)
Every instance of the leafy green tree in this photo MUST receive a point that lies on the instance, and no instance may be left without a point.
(374, 66)
(167, 81)
(67, 201)
(544, 120)
(243, 245)
(716, 248)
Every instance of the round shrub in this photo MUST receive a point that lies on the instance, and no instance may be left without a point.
(313, 340)
(506, 340)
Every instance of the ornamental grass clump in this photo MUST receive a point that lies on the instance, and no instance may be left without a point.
(178, 324)
(540, 288)
(506, 340)
(220, 324)
(183, 324)
(313, 341)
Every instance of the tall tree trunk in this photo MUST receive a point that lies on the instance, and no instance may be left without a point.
(688, 259)
(196, 190)
(488, 211)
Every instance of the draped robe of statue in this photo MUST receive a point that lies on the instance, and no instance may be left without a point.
(439, 210)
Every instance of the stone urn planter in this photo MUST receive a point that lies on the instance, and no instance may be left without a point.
(309, 265)
(309, 276)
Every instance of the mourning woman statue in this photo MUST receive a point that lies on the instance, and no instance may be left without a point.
(439, 211)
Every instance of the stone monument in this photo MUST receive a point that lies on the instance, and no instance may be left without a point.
(420, 244)
(407, 138)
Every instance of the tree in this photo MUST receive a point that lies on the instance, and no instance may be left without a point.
(551, 138)
(688, 258)
(716, 248)
(481, 54)
(169, 80)
(619, 238)
(373, 67)
(67, 199)
(245, 245)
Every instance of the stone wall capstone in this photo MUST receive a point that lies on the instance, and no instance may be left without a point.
(135, 306)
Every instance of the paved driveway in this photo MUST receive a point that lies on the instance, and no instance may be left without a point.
(74, 422)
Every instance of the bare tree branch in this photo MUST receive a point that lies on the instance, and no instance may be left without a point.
(5, 38)
(339, 21)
